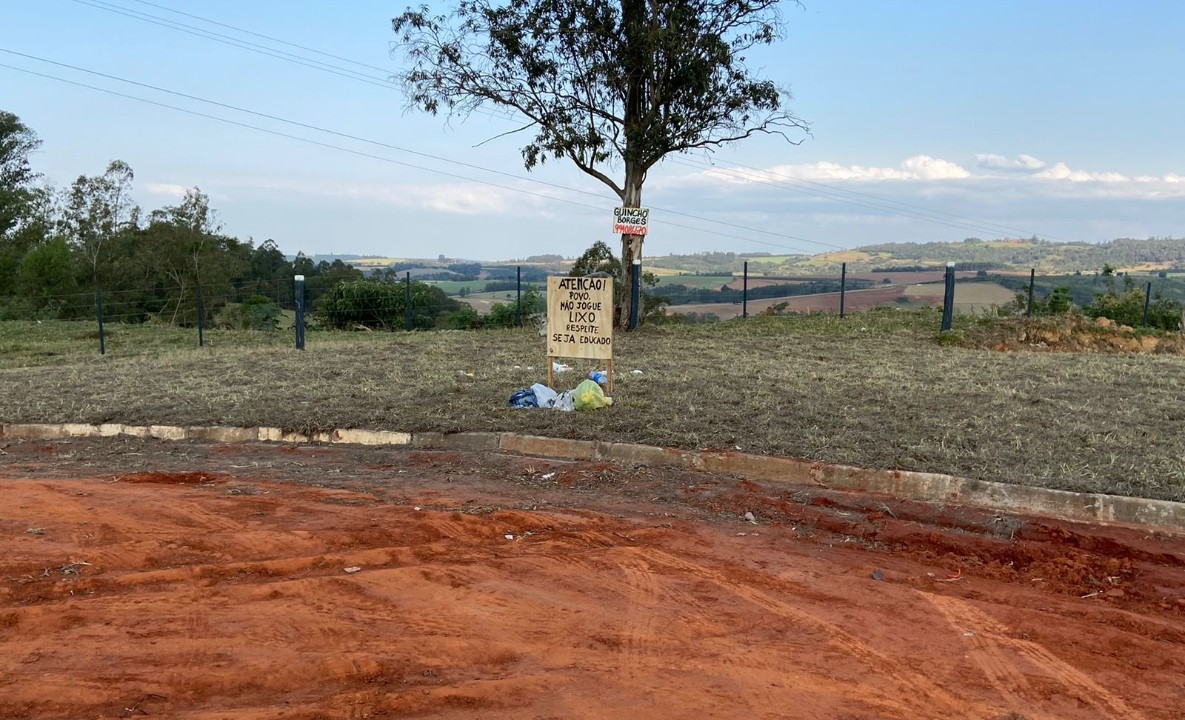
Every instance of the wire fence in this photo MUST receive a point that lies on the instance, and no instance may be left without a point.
(282, 315)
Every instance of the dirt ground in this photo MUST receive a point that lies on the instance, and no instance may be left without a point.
(140, 578)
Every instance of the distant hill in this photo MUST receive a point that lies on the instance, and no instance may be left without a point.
(1048, 258)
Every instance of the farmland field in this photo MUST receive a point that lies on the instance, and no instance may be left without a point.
(141, 578)
(712, 282)
(969, 296)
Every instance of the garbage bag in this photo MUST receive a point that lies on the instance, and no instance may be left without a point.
(588, 395)
(523, 399)
(544, 396)
(565, 401)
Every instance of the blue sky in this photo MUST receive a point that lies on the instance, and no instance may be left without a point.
(1055, 118)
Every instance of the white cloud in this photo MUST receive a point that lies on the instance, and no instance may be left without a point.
(919, 167)
(1061, 171)
(167, 189)
(451, 198)
(989, 161)
(924, 167)
(926, 177)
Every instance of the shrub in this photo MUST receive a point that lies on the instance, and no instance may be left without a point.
(1128, 309)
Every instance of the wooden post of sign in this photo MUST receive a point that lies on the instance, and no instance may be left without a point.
(580, 322)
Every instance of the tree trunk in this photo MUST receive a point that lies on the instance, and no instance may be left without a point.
(631, 248)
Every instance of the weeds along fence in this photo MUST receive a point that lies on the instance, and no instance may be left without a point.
(316, 302)
(279, 313)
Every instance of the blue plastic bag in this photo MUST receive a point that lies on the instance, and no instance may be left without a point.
(523, 399)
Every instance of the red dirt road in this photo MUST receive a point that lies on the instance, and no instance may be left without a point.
(502, 592)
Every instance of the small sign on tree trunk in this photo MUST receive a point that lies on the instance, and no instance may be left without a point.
(630, 221)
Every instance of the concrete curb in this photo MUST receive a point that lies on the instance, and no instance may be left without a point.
(925, 487)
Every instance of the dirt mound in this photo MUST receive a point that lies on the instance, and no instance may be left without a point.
(1070, 334)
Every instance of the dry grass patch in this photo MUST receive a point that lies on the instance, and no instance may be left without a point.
(874, 390)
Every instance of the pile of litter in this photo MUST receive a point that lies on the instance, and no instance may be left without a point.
(588, 395)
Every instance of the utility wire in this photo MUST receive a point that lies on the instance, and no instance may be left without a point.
(261, 35)
(400, 149)
(382, 82)
(832, 192)
(404, 164)
(235, 42)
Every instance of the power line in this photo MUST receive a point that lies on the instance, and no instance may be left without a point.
(261, 35)
(224, 39)
(405, 150)
(235, 42)
(832, 192)
(398, 162)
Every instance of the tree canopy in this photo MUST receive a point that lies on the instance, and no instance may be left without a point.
(613, 86)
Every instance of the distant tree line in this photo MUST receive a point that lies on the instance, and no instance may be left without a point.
(59, 248)
(682, 295)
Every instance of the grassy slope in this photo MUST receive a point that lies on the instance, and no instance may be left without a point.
(874, 390)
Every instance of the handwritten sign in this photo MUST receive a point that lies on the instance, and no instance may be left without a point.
(630, 221)
(580, 317)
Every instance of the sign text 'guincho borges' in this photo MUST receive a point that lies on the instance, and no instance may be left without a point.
(630, 221)
(580, 317)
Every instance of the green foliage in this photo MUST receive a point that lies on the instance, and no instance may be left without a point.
(465, 319)
(21, 201)
(1059, 302)
(606, 84)
(255, 313)
(503, 315)
(376, 304)
(599, 258)
(47, 274)
(1128, 309)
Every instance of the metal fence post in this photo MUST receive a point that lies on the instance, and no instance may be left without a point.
(1032, 282)
(843, 287)
(948, 298)
(299, 324)
(745, 292)
(635, 291)
(407, 309)
(518, 297)
(1147, 302)
(99, 312)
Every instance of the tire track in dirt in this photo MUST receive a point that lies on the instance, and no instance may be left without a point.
(918, 694)
(993, 647)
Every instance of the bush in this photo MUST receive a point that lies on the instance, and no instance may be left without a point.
(377, 304)
(465, 319)
(502, 315)
(255, 313)
(1128, 309)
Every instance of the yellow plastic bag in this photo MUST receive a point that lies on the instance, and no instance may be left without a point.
(588, 395)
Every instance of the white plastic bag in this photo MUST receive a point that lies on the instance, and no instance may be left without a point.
(544, 395)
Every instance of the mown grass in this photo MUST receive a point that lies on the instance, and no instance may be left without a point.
(875, 390)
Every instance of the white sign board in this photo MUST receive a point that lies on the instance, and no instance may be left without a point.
(630, 221)
(580, 317)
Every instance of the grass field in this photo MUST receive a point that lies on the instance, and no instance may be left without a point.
(874, 390)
